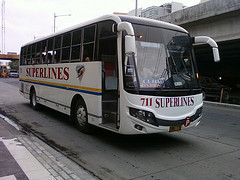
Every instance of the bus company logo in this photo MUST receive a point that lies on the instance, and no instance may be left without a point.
(60, 73)
(80, 71)
(168, 102)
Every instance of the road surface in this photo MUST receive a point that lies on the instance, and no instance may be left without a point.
(209, 151)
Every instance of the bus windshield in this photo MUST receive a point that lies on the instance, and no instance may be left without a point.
(163, 61)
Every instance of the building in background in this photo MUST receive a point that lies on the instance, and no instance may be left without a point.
(154, 12)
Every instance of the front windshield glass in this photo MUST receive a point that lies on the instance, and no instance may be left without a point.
(163, 60)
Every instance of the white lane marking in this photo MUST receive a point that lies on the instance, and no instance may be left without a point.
(11, 177)
(28, 163)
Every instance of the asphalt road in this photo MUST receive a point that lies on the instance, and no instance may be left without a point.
(209, 151)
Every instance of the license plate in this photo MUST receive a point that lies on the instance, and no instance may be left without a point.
(175, 128)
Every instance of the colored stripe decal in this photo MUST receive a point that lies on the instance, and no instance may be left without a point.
(53, 102)
(93, 115)
(85, 90)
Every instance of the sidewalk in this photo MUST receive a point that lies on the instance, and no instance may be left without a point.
(23, 156)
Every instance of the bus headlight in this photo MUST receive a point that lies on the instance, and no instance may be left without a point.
(143, 115)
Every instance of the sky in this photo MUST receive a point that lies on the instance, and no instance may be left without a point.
(29, 19)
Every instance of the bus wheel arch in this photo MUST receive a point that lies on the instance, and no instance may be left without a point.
(33, 98)
(79, 114)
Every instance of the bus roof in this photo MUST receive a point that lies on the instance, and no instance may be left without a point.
(151, 22)
(117, 19)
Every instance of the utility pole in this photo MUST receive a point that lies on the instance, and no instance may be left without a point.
(3, 26)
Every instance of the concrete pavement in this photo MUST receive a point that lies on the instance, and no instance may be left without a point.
(181, 155)
(24, 156)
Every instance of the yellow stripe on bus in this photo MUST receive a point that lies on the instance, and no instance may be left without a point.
(62, 85)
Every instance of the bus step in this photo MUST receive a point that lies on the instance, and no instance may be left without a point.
(109, 125)
(109, 101)
(109, 117)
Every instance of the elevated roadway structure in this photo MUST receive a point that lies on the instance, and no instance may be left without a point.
(219, 19)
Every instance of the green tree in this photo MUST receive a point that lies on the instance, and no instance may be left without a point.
(14, 64)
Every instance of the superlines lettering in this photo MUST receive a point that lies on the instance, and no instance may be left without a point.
(61, 73)
(167, 102)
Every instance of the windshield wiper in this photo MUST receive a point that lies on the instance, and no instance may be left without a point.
(178, 74)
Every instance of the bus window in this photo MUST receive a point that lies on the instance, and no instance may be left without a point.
(76, 37)
(56, 56)
(76, 45)
(50, 44)
(50, 51)
(88, 52)
(88, 43)
(105, 29)
(66, 47)
(65, 54)
(23, 56)
(57, 49)
(75, 56)
(29, 55)
(38, 53)
(33, 54)
(107, 40)
(43, 52)
(89, 34)
(58, 41)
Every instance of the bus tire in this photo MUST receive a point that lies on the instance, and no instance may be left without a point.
(203, 95)
(81, 116)
(33, 99)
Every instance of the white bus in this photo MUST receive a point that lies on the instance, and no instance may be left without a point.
(126, 74)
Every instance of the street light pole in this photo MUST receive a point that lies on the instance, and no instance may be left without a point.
(54, 21)
(136, 7)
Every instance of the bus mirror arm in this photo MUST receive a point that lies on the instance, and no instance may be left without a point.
(211, 42)
(125, 26)
(129, 38)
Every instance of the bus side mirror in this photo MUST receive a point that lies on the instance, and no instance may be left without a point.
(130, 44)
(129, 38)
(211, 42)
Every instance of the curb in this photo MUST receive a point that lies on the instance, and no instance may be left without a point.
(225, 105)
(54, 161)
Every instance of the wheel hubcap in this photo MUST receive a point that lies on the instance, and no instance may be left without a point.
(34, 99)
(81, 116)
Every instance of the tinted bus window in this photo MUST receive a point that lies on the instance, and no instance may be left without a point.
(43, 51)
(38, 53)
(50, 44)
(89, 34)
(105, 29)
(33, 54)
(58, 41)
(49, 55)
(29, 49)
(66, 47)
(66, 40)
(88, 43)
(23, 55)
(76, 45)
(107, 40)
(76, 39)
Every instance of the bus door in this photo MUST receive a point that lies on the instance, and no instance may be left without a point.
(110, 91)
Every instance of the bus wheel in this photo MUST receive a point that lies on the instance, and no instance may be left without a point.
(33, 100)
(81, 116)
(203, 95)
